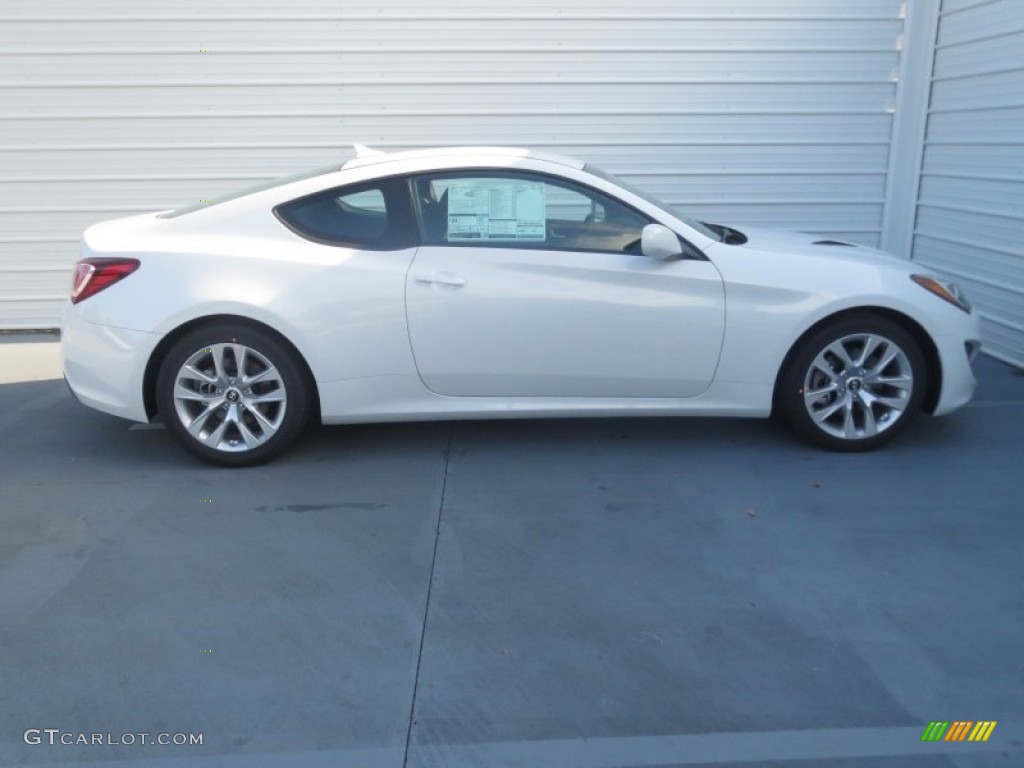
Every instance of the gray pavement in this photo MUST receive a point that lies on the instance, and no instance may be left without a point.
(562, 593)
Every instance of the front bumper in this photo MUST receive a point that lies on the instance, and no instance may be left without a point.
(105, 366)
(956, 353)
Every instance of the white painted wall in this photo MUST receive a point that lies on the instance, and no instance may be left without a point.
(776, 113)
(970, 212)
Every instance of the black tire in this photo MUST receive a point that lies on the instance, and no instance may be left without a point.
(242, 418)
(858, 400)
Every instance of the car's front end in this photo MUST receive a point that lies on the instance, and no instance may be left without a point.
(785, 286)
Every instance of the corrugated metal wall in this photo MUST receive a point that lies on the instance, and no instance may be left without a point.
(970, 217)
(776, 113)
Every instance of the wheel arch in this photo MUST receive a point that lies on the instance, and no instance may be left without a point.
(161, 349)
(933, 365)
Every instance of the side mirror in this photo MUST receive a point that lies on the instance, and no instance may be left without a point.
(659, 242)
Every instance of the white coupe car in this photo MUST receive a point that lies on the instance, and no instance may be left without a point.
(473, 283)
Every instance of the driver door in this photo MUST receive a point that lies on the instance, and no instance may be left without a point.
(532, 286)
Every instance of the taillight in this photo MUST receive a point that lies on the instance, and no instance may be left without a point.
(94, 274)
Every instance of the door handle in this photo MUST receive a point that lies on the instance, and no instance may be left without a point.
(441, 278)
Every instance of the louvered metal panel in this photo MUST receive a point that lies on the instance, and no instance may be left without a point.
(769, 113)
(970, 213)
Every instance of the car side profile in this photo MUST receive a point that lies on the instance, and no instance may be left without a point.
(480, 282)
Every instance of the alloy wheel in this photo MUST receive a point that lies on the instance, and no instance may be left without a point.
(230, 397)
(858, 386)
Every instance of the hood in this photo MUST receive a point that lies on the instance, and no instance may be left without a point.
(804, 244)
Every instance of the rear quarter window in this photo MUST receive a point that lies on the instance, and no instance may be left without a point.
(370, 216)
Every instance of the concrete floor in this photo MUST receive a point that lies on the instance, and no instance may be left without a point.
(543, 594)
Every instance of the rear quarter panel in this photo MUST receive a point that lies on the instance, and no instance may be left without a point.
(343, 309)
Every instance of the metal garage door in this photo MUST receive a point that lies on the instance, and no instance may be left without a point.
(970, 217)
(773, 113)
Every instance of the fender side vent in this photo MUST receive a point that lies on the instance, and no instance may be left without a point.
(835, 242)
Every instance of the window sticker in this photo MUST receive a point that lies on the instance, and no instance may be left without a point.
(496, 210)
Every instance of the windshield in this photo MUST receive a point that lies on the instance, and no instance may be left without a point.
(688, 220)
(261, 187)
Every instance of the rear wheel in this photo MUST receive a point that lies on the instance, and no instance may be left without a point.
(854, 384)
(232, 395)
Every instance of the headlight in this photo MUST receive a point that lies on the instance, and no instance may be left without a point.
(944, 290)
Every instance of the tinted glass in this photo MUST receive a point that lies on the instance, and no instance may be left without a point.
(363, 216)
(654, 200)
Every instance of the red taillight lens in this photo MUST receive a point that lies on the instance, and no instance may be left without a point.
(94, 274)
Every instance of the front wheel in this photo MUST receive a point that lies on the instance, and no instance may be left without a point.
(232, 395)
(853, 384)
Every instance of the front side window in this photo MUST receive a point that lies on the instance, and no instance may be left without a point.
(509, 209)
(369, 216)
(688, 220)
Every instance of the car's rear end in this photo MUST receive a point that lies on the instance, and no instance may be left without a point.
(103, 361)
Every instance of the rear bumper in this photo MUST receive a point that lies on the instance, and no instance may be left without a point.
(104, 366)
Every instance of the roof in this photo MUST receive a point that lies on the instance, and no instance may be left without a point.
(367, 156)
